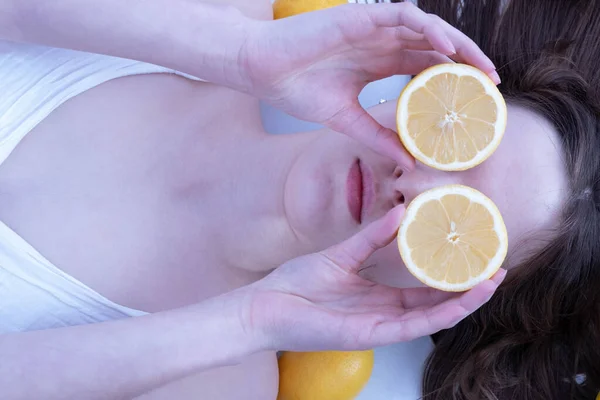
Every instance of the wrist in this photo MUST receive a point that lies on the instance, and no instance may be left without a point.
(210, 42)
(249, 309)
(209, 334)
(263, 317)
(201, 39)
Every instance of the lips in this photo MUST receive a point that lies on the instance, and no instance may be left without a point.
(354, 191)
(360, 190)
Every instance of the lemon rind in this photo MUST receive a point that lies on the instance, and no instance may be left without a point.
(499, 227)
(459, 70)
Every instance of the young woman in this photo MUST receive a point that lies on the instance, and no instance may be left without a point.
(538, 337)
(129, 190)
(159, 192)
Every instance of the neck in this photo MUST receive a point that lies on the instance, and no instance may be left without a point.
(241, 202)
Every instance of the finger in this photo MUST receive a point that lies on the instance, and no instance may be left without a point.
(402, 33)
(409, 40)
(426, 322)
(467, 51)
(413, 48)
(464, 304)
(443, 37)
(355, 122)
(420, 298)
(413, 62)
(353, 252)
(499, 276)
(424, 297)
(407, 14)
(429, 297)
(467, 302)
(418, 325)
(422, 45)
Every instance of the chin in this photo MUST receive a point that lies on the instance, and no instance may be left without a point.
(309, 200)
(319, 225)
(306, 212)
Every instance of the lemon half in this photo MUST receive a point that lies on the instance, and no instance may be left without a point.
(452, 238)
(451, 117)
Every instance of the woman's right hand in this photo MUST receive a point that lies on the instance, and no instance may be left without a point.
(319, 302)
(314, 65)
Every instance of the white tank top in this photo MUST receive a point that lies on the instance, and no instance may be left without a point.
(34, 81)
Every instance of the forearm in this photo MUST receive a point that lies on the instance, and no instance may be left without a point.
(123, 359)
(187, 35)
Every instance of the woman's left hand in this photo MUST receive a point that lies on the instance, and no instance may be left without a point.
(319, 301)
(314, 65)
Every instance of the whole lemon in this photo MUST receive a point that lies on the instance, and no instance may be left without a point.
(287, 8)
(327, 375)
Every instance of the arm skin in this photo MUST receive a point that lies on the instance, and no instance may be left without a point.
(126, 358)
(201, 39)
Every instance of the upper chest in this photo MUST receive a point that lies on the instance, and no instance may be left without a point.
(96, 187)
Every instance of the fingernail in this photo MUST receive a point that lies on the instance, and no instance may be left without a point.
(490, 65)
(499, 276)
(495, 77)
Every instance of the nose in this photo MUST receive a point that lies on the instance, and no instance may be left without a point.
(408, 185)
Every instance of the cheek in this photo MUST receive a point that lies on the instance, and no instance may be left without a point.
(389, 269)
(308, 197)
(315, 192)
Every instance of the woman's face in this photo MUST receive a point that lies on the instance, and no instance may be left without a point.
(338, 186)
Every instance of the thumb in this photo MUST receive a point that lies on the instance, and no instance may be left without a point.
(355, 122)
(353, 252)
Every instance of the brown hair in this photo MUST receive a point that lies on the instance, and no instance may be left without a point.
(539, 336)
